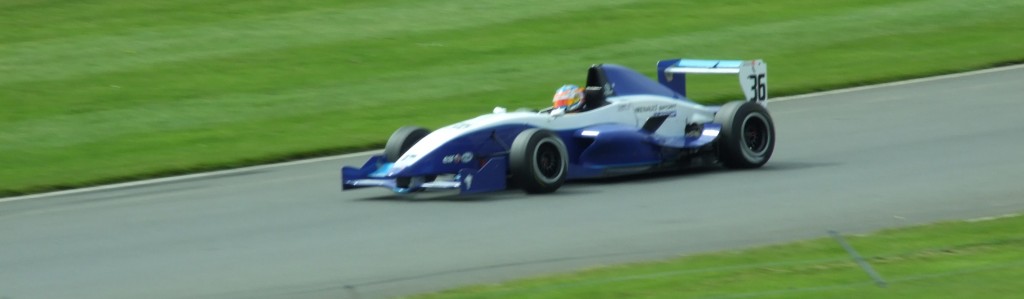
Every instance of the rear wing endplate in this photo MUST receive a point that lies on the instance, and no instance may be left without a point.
(753, 74)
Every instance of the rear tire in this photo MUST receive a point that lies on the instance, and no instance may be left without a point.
(399, 143)
(538, 161)
(747, 139)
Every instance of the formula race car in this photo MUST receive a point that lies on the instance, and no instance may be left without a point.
(628, 124)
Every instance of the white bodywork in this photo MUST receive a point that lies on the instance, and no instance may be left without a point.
(625, 110)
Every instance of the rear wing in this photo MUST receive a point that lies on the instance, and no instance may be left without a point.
(753, 74)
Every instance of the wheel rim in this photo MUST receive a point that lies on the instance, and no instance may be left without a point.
(756, 136)
(548, 161)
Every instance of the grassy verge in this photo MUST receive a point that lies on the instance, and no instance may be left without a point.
(946, 260)
(106, 90)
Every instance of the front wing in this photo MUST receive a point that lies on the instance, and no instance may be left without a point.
(489, 177)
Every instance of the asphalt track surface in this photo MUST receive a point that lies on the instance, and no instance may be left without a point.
(856, 161)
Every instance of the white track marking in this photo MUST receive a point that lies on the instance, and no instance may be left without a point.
(188, 176)
(897, 83)
(367, 153)
(980, 219)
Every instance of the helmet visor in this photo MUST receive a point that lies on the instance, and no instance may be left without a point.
(564, 98)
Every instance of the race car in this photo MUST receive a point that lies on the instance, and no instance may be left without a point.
(628, 124)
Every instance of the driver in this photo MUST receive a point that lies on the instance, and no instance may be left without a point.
(568, 98)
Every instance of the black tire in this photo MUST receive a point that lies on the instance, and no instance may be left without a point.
(538, 161)
(747, 139)
(401, 140)
(399, 143)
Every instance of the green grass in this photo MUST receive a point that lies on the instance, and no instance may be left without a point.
(96, 91)
(946, 260)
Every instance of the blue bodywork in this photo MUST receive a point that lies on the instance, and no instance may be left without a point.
(625, 82)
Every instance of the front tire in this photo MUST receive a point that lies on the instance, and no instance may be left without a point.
(747, 139)
(399, 143)
(538, 161)
(401, 140)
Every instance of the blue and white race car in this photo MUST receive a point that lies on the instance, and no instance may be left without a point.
(628, 124)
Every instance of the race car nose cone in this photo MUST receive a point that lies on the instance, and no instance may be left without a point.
(395, 171)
